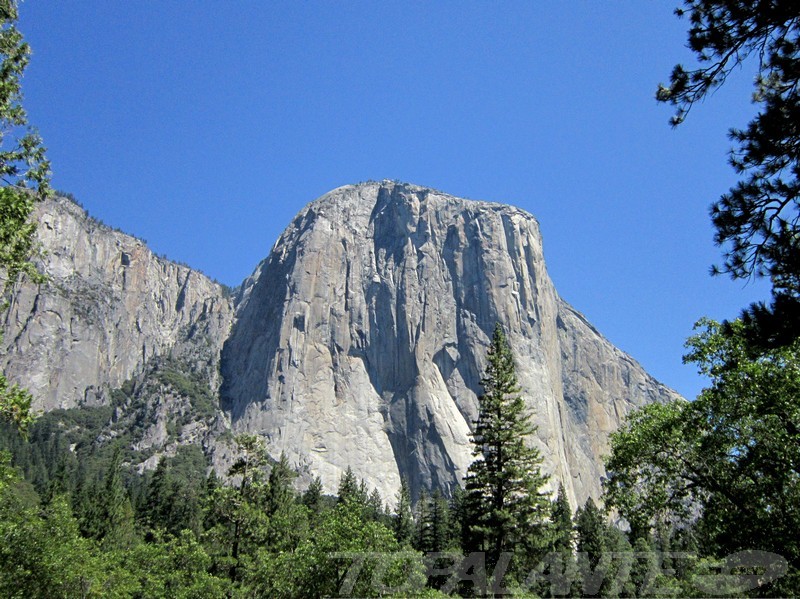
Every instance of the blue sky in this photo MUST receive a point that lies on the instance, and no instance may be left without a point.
(204, 127)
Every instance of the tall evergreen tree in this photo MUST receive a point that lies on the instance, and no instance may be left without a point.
(62, 482)
(117, 530)
(439, 513)
(506, 508)
(288, 520)
(422, 522)
(158, 499)
(598, 544)
(645, 567)
(363, 494)
(458, 525)
(236, 519)
(590, 527)
(562, 575)
(403, 522)
(563, 534)
(375, 509)
(312, 497)
(348, 487)
(279, 488)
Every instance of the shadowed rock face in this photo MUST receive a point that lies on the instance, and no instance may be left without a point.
(361, 342)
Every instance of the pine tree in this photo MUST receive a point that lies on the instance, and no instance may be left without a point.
(363, 492)
(235, 519)
(561, 518)
(159, 497)
(758, 221)
(506, 509)
(592, 547)
(563, 569)
(252, 458)
(348, 487)
(459, 524)
(440, 523)
(403, 523)
(617, 564)
(62, 481)
(117, 529)
(422, 522)
(645, 568)
(312, 498)
(279, 488)
(288, 520)
(375, 509)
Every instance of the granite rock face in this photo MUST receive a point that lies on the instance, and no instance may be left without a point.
(109, 308)
(361, 341)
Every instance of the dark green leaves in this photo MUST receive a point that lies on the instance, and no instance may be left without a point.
(727, 463)
(757, 221)
(505, 508)
(22, 164)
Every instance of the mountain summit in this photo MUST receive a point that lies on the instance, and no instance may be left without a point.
(359, 342)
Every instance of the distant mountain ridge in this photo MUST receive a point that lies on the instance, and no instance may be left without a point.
(359, 341)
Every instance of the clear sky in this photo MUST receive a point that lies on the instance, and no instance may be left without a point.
(204, 127)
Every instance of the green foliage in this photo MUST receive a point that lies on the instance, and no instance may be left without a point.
(43, 554)
(375, 510)
(236, 521)
(458, 529)
(730, 459)
(313, 498)
(175, 493)
(648, 480)
(191, 386)
(591, 532)
(251, 461)
(115, 518)
(288, 518)
(320, 566)
(15, 405)
(439, 538)
(22, 161)
(348, 491)
(562, 535)
(422, 522)
(67, 448)
(604, 558)
(757, 220)
(506, 509)
(560, 569)
(173, 566)
(22, 165)
(403, 519)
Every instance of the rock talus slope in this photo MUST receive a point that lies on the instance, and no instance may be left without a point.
(361, 341)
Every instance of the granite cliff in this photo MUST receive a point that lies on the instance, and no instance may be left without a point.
(116, 325)
(360, 341)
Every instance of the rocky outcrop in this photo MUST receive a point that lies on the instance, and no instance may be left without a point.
(108, 308)
(361, 341)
